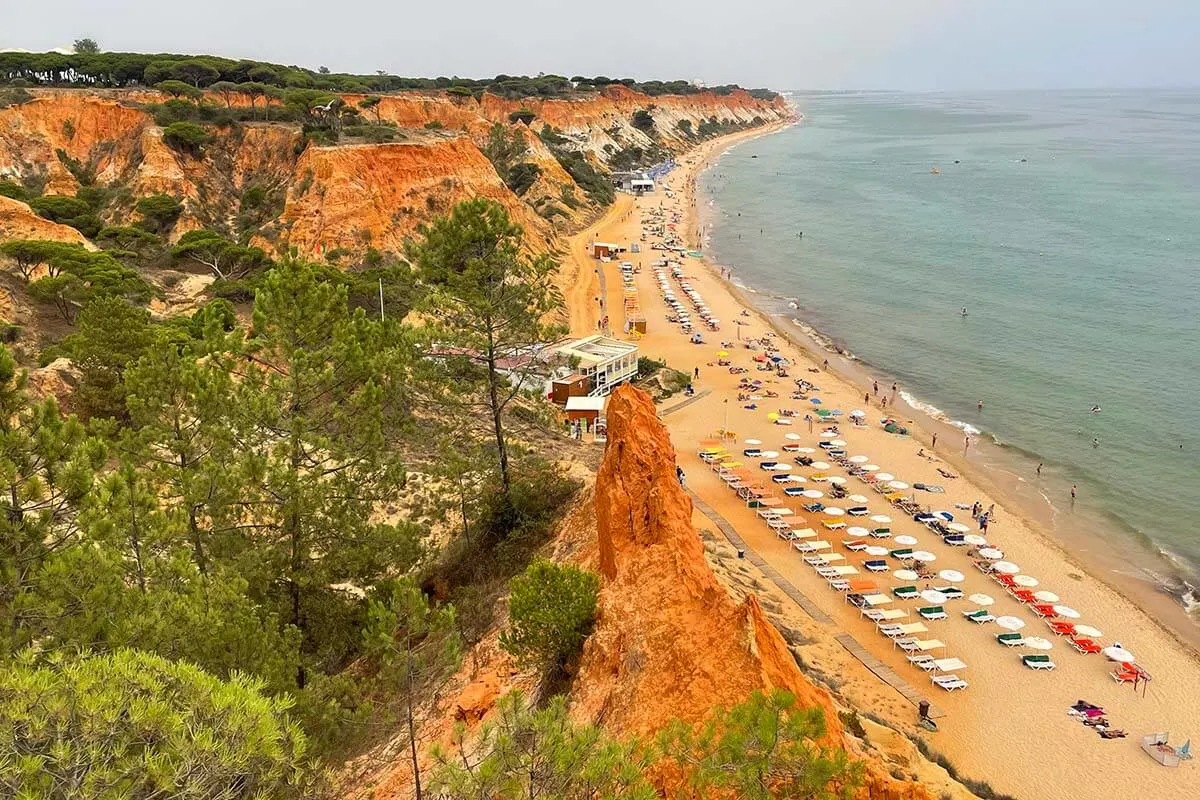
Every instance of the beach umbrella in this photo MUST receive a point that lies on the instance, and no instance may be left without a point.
(1010, 623)
(806, 450)
(907, 541)
(1115, 653)
(1026, 581)
(885, 476)
(754, 441)
(780, 467)
(952, 575)
(923, 556)
(834, 511)
(1037, 643)
(1046, 597)
(836, 479)
(722, 353)
(859, 459)
(991, 552)
(816, 401)
(975, 539)
(769, 454)
(838, 442)
(793, 437)
(981, 599)
(933, 596)
(819, 465)
(858, 412)
(812, 493)
(828, 435)
(870, 468)
(857, 531)
(773, 416)
(905, 574)
(877, 550)
(898, 484)
(1006, 567)
(857, 498)
(1067, 612)
(881, 518)
(957, 527)
(1087, 630)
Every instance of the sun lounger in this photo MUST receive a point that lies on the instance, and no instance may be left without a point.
(752, 452)
(907, 645)
(1022, 595)
(884, 615)
(1012, 639)
(833, 524)
(1061, 628)
(951, 592)
(839, 584)
(979, 615)
(854, 545)
(922, 661)
(794, 491)
(777, 524)
(797, 534)
(812, 547)
(932, 612)
(955, 540)
(1043, 610)
(858, 511)
(816, 561)
(813, 508)
(1085, 646)
(1037, 661)
(1124, 675)
(902, 553)
(881, 533)
(906, 592)
(949, 682)
(876, 565)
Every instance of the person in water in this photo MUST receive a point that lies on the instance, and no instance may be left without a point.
(964, 311)
(1096, 409)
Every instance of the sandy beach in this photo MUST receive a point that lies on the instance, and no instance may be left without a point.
(1011, 726)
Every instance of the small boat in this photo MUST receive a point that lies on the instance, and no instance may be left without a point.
(935, 171)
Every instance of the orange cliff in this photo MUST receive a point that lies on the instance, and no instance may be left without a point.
(670, 641)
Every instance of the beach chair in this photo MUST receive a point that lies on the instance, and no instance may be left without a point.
(951, 592)
(902, 553)
(1061, 628)
(908, 645)
(923, 661)
(1022, 595)
(816, 561)
(955, 540)
(905, 592)
(829, 572)
(833, 524)
(777, 524)
(854, 545)
(949, 682)
(978, 615)
(881, 533)
(858, 511)
(794, 491)
(1122, 675)
(1085, 646)
(1037, 661)
(839, 584)
(932, 612)
(876, 565)
(752, 452)
(1043, 610)
(1012, 639)
(813, 508)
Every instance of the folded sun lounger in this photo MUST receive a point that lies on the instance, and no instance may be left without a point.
(876, 565)
(949, 682)
(906, 592)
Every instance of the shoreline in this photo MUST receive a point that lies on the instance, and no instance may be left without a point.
(999, 727)
(1155, 595)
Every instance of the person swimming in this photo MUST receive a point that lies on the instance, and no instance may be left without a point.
(964, 311)
(1096, 409)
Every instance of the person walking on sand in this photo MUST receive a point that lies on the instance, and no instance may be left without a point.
(875, 387)
(934, 445)
(966, 443)
(808, 418)
(1039, 469)
(866, 397)
(696, 373)
(1073, 487)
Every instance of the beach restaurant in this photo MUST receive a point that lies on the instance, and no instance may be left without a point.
(605, 362)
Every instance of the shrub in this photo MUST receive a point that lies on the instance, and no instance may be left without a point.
(159, 212)
(186, 137)
(522, 176)
(523, 115)
(434, 125)
(14, 191)
(550, 614)
(643, 121)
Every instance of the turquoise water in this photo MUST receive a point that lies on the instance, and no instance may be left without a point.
(1067, 223)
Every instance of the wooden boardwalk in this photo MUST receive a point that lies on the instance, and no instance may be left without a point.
(685, 403)
(881, 670)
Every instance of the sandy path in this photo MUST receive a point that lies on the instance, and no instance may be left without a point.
(1010, 727)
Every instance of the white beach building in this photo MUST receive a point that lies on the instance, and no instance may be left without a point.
(604, 361)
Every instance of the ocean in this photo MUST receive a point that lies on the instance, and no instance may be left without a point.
(1067, 224)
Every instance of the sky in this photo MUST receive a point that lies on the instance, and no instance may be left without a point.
(920, 45)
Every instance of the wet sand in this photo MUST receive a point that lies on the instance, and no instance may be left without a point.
(1010, 727)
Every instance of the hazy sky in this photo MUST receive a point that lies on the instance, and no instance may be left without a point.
(903, 44)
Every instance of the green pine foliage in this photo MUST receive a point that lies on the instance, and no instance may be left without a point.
(551, 610)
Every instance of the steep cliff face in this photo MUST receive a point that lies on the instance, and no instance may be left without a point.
(670, 642)
(375, 195)
(18, 221)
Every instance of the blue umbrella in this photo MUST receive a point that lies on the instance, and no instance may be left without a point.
(816, 401)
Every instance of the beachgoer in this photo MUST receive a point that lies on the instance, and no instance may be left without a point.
(883, 401)
(696, 373)
(875, 387)
(934, 441)
(1095, 442)
(682, 478)
(808, 418)
(991, 510)
(966, 442)
(1073, 487)
(1039, 469)
(964, 311)
(980, 404)
(866, 397)
(975, 508)
(825, 365)
(983, 523)
(893, 389)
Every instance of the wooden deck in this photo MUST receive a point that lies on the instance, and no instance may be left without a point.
(881, 670)
(685, 403)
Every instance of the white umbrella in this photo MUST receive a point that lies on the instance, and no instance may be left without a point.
(797, 479)
(792, 437)
(907, 541)
(819, 465)
(1087, 630)
(877, 550)
(769, 454)
(1067, 612)
(857, 531)
(754, 441)
(834, 511)
(806, 450)
(836, 479)
(958, 527)
(857, 498)
(858, 412)
(870, 468)
(885, 476)
(859, 459)
(975, 539)
(781, 467)
(812, 493)
(952, 575)
(905, 575)
(838, 442)
(898, 484)
(1046, 597)
(991, 552)
(981, 599)
(923, 556)
(933, 596)
(1007, 567)
(1027, 581)
(828, 435)
(1010, 623)
(881, 518)
(1037, 643)
(1115, 653)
